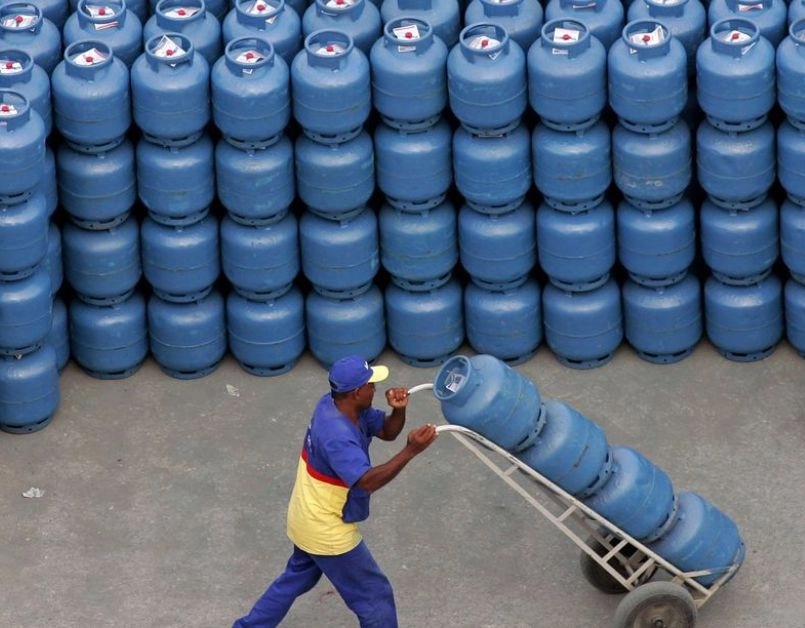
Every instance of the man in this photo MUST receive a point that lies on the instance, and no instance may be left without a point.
(334, 481)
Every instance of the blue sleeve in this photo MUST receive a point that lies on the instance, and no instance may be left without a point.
(375, 419)
(347, 458)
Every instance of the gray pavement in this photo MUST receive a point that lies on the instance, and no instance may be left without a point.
(164, 500)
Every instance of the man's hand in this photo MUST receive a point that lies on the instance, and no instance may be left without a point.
(397, 397)
(420, 438)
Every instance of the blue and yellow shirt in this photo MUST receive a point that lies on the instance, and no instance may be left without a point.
(325, 503)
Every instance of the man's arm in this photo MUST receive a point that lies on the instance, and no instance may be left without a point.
(377, 477)
(397, 398)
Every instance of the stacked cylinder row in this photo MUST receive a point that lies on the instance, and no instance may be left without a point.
(297, 159)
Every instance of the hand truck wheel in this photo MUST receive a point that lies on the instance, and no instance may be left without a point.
(657, 605)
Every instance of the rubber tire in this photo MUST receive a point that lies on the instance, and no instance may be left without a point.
(599, 577)
(657, 605)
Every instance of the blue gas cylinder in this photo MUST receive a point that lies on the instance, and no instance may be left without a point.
(56, 11)
(647, 76)
(266, 337)
(583, 329)
(176, 183)
(331, 89)
(498, 250)
(791, 158)
(663, 324)
(409, 73)
(187, 340)
(419, 249)
(638, 497)
(769, 15)
(604, 18)
(53, 262)
(109, 22)
(652, 170)
(109, 341)
(425, 327)
(250, 92)
(274, 21)
(91, 101)
(48, 185)
(485, 395)
(23, 237)
(486, 80)
(567, 75)
(744, 323)
(736, 169)
(792, 238)
(181, 263)
(26, 312)
(339, 257)
(573, 169)
(59, 336)
(360, 19)
(97, 189)
(102, 266)
(414, 169)
(191, 19)
(335, 179)
(493, 174)
(24, 27)
(795, 315)
(337, 328)
(732, 94)
(217, 8)
(260, 261)
(255, 184)
(656, 247)
(139, 8)
(571, 450)
(22, 148)
(522, 19)
(29, 391)
(443, 19)
(686, 19)
(739, 245)
(504, 323)
(576, 249)
(170, 88)
(701, 538)
(790, 70)
(19, 73)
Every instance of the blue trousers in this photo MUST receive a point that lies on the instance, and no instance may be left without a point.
(355, 575)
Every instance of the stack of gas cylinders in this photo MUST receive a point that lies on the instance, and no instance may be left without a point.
(487, 396)
(29, 365)
(265, 177)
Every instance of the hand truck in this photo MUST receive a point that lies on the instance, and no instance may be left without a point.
(611, 560)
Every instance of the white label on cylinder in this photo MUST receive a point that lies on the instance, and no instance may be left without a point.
(6, 110)
(250, 56)
(7, 66)
(182, 13)
(453, 381)
(744, 8)
(583, 7)
(259, 8)
(330, 50)
(564, 34)
(409, 33)
(97, 10)
(645, 40)
(93, 56)
(339, 4)
(734, 37)
(168, 48)
(19, 21)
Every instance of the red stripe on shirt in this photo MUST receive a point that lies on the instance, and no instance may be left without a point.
(318, 475)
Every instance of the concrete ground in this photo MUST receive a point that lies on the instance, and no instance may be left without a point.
(164, 500)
